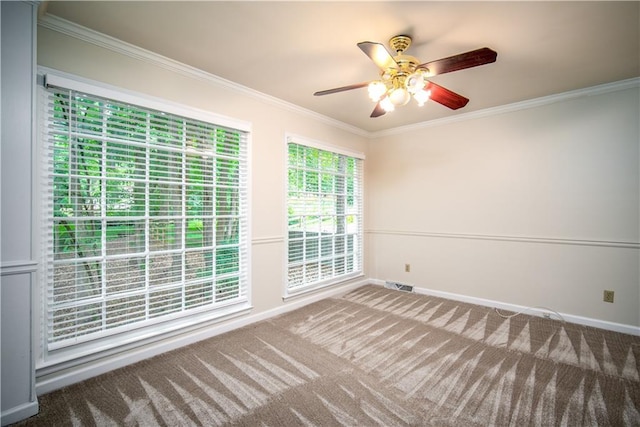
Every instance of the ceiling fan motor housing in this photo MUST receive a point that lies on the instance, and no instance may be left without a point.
(400, 43)
(395, 77)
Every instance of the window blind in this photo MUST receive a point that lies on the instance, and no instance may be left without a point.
(325, 216)
(146, 216)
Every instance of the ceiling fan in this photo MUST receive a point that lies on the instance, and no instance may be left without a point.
(403, 76)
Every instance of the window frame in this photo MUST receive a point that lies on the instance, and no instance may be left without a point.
(288, 291)
(172, 325)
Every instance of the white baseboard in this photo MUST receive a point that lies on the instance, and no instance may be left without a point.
(538, 311)
(55, 380)
(19, 413)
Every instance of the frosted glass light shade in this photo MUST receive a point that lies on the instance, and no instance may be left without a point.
(387, 105)
(399, 96)
(376, 90)
(415, 82)
(422, 96)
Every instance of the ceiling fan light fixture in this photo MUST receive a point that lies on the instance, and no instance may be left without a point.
(422, 96)
(376, 90)
(415, 82)
(399, 96)
(403, 76)
(387, 105)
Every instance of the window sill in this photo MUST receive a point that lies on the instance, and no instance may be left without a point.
(302, 291)
(158, 336)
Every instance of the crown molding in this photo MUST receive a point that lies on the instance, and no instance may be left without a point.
(96, 38)
(79, 32)
(516, 106)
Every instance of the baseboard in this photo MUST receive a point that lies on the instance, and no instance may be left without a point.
(19, 413)
(67, 377)
(55, 380)
(586, 321)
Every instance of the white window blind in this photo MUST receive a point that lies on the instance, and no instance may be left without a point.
(146, 216)
(324, 205)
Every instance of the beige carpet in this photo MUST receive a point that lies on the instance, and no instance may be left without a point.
(373, 357)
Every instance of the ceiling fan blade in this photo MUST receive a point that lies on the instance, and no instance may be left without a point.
(341, 89)
(461, 61)
(378, 111)
(378, 54)
(446, 97)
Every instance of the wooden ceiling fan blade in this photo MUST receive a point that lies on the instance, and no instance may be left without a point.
(341, 89)
(378, 54)
(461, 61)
(378, 111)
(446, 97)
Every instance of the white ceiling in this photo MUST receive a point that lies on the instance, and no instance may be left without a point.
(290, 50)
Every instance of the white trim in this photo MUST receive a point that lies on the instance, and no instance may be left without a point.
(102, 40)
(66, 360)
(303, 290)
(19, 413)
(33, 407)
(571, 318)
(248, 245)
(321, 145)
(516, 106)
(99, 344)
(46, 383)
(79, 32)
(285, 217)
(81, 84)
(507, 238)
(267, 240)
(18, 267)
(65, 372)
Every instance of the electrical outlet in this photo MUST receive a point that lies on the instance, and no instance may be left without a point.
(608, 296)
(407, 268)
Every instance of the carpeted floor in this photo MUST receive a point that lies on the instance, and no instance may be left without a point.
(373, 357)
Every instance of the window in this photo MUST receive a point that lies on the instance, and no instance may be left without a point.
(324, 209)
(146, 216)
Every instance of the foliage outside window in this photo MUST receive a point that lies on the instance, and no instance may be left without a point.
(147, 217)
(324, 209)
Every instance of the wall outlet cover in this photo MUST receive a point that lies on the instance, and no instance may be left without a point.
(608, 296)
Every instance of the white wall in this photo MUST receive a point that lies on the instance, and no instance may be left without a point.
(18, 264)
(538, 206)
